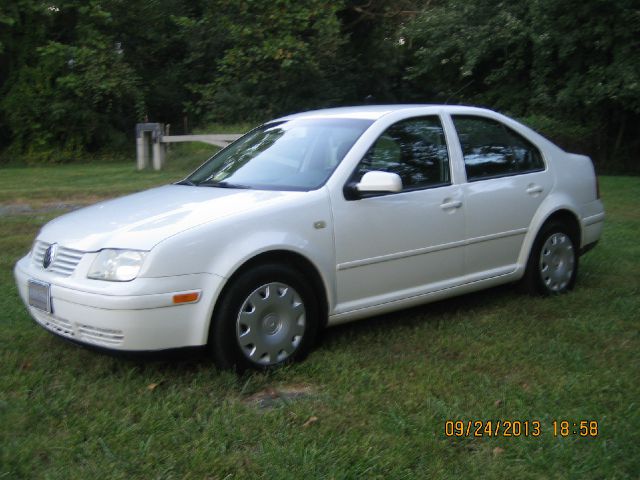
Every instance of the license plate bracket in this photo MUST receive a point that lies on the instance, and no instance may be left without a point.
(40, 295)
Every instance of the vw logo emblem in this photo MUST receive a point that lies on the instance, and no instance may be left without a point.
(50, 255)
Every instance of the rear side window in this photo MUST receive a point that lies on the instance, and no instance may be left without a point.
(492, 149)
(415, 149)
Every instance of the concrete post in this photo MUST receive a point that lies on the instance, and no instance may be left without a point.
(154, 131)
(158, 154)
(141, 152)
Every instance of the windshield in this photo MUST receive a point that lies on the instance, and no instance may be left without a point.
(290, 155)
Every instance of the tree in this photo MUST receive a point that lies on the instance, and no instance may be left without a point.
(281, 56)
(473, 52)
(586, 69)
(75, 75)
(69, 89)
(569, 67)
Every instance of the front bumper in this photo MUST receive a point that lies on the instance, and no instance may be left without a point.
(111, 318)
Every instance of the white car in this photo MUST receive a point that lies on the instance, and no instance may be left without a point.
(316, 219)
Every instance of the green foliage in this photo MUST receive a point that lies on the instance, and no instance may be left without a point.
(157, 47)
(374, 53)
(75, 76)
(473, 52)
(572, 135)
(283, 56)
(70, 95)
(572, 61)
(588, 58)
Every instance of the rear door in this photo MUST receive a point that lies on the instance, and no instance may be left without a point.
(507, 180)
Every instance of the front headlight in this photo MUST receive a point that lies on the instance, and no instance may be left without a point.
(116, 265)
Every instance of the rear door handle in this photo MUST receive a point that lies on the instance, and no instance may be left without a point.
(533, 189)
(450, 204)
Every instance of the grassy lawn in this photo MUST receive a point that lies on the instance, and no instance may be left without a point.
(378, 391)
(90, 182)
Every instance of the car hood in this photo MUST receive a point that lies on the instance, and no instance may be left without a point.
(142, 220)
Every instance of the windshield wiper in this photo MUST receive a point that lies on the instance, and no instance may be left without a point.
(223, 185)
(185, 182)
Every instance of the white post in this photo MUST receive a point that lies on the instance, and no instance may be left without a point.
(158, 154)
(152, 132)
(141, 152)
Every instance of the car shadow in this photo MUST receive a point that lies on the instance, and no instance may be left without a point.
(435, 313)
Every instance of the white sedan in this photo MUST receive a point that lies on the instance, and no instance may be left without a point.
(316, 219)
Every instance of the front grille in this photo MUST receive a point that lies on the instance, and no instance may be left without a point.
(65, 262)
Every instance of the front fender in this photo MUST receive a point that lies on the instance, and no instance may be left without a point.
(322, 257)
(222, 247)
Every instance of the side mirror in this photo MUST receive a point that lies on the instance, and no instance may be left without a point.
(372, 183)
(379, 182)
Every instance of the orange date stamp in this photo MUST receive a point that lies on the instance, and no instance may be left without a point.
(520, 428)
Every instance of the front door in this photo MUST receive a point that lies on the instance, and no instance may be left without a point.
(398, 245)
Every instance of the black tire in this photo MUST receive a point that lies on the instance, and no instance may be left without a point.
(552, 267)
(275, 321)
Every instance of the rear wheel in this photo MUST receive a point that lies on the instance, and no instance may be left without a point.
(267, 316)
(553, 262)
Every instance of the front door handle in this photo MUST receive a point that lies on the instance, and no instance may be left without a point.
(450, 204)
(533, 189)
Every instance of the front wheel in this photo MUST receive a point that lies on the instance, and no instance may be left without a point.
(553, 262)
(267, 316)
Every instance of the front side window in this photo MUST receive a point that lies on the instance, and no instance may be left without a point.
(415, 149)
(290, 155)
(491, 149)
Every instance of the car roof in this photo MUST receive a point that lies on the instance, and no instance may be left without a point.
(374, 112)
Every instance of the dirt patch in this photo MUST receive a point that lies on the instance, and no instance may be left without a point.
(272, 397)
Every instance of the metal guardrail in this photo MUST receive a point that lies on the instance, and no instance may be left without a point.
(152, 134)
(219, 139)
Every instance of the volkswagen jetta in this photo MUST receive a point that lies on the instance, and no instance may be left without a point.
(315, 219)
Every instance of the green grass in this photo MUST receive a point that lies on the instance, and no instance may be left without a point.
(383, 387)
(90, 182)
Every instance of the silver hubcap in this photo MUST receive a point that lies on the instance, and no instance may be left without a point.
(556, 262)
(271, 323)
